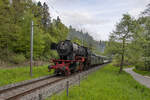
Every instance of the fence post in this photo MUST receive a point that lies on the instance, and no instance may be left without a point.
(79, 80)
(67, 88)
(86, 74)
(40, 97)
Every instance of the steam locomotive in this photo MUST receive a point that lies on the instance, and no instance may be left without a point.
(73, 58)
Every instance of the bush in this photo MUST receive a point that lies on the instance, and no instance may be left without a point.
(18, 58)
(117, 61)
(140, 65)
(54, 54)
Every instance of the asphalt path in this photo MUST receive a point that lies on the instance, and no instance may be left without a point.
(144, 80)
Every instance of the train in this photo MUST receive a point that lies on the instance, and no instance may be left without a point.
(74, 58)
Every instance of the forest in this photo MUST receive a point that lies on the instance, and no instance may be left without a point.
(15, 29)
(129, 43)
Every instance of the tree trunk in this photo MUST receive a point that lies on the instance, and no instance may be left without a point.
(122, 56)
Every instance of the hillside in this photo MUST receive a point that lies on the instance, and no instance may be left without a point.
(15, 29)
(86, 39)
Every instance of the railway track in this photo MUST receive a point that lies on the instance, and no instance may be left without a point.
(13, 93)
(16, 92)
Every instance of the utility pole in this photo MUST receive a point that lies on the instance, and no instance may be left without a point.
(31, 48)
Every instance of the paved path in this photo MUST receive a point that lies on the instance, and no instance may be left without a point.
(141, 79)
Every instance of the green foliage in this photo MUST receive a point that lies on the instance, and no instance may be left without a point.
(113, 48)
(83, 38)
(141, 42)
(142, 72)
(18, 58)
(120, 38)
(15, 29)
(140, 65)
(19, 74)
(77, 40)
(135, 35)
(106, 84)
(116, 61)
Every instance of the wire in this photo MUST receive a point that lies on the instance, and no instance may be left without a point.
(56, 11)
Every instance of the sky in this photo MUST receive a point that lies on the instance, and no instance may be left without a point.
(97, 17)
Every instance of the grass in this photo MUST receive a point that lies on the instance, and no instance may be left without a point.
(8, 76)
(106, 84)
(145, 73)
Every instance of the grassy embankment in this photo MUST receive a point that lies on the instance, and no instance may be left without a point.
(8, 76)
(145, 73)
(106, 84)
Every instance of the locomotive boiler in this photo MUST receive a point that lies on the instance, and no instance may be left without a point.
(68, 50)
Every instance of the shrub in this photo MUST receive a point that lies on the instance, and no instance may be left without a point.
(140, 65)
(18, 58)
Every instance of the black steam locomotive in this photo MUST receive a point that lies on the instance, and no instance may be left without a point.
(73, 57)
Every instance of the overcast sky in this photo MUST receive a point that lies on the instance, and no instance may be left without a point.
(98, 17)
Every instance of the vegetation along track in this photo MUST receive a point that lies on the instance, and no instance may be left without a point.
(16, 92)
(13, 93)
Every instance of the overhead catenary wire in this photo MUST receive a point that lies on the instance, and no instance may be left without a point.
(82, 28)
(54, 9)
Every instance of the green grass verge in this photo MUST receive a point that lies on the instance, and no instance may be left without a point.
(145, 73)
(106, 84)
(8, 76)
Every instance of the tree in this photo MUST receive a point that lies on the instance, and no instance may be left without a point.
(39, 4)
(15, 21)
(45, 16)
(146, 12)
(120, 38)
(146, 43)
(143, 39)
